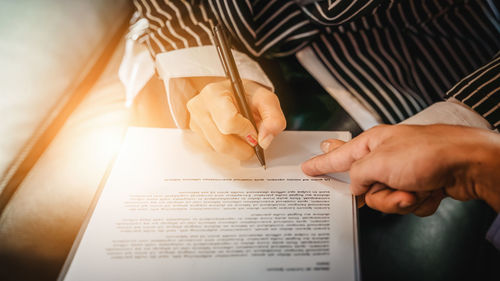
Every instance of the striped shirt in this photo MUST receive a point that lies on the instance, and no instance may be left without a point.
(395, 57)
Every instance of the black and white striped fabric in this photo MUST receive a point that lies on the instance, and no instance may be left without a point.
(395, 56)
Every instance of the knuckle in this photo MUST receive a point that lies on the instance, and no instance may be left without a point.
(276, 125)
(381, 127)
(193, 104)
(192, 125)
(222, 145)
(210, 89)
(226, 103)
(282, 124)
(369, 201)
(228, 125)
(373, 202)
(215, 89)
(376, 129)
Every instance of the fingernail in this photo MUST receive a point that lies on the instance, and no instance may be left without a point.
(405, 204)
(265, 142)
(251, 140)
(325, 146)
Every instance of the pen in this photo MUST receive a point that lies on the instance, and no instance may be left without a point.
(229, 66)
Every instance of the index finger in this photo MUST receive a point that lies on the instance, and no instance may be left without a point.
(342, 158)
(338, 160)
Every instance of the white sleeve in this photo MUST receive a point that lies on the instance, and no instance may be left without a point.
(137, 66)
(451, 112)
(196, 62)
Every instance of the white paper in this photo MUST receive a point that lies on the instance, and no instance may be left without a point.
(172, 211)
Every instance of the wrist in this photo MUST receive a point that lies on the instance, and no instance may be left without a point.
(483, 168)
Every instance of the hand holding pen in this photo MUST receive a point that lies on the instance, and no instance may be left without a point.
(231, 70)
(215, 115)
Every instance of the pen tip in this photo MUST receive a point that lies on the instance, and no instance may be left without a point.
(264, 166)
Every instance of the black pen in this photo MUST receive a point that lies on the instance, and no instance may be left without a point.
(229, 65)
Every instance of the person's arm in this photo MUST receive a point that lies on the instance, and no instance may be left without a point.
(179, 37)
(409, 169)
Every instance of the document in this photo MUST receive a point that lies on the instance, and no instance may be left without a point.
(171, 209)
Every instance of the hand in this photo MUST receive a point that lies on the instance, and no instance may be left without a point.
(214, 115)
(410, 169)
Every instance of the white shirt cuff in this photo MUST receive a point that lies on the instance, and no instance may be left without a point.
(451, 112)
(196, 62)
